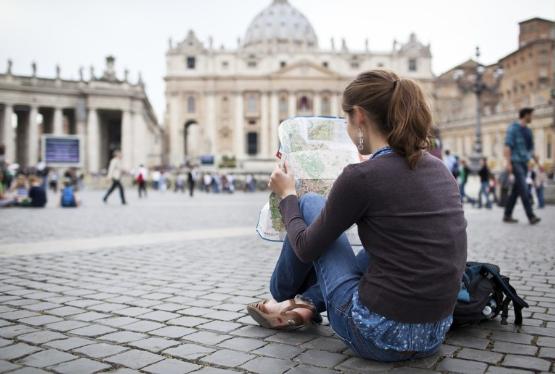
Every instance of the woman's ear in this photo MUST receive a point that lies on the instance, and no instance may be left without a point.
(358, 116)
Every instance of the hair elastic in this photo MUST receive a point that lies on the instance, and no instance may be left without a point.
(395, 83)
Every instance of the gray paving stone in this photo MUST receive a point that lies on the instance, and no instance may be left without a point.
(288, 338)
(6, 366)
(15, 330)
(39, 307)
(548, 353)
(500, 370)
(521, 349)
(92, 330)
(17, 350)
(123, 337)
(107, 307)
(155, 344)
(325, 344)
(188, 321)
(526, 362)
(512, 337)
(242, 344)
(226, 357)
(462, 366)
(206, 337)
(134, 359)
(468, 341)
(160, 316)
(47, 358)
(188, 351)
(40, 320)
(320, 358)
(40, 337)
(253, 332)
(133, 311)
(17, 315)
(90, 316)
(211, 370)
(69, 343)
(100, 350)
(65, 311)
(173, 331)
(171, 366)
(116, 321)
(356, 364)
(546, 342)
(268, 365)
(5, 342)
(478, 355)
(29, 370)
(221, 326)
(64, 326)
(278, 350)
(143, 326)
(81, 366)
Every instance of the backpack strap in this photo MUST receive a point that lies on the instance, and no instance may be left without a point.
(511, 295)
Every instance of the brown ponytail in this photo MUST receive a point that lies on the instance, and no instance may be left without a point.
(397, 106)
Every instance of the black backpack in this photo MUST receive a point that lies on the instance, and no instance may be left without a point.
(484, 294)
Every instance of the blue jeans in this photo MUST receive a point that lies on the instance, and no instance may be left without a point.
(484, 190)
(541, 199)
(520, 169)
(329, 282)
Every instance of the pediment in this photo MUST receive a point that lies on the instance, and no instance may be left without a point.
(305, 69)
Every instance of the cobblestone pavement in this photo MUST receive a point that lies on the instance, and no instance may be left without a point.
(178, 307)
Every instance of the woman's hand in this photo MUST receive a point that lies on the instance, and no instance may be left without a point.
(282, 182)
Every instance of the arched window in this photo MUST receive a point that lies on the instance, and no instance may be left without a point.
(283, 107)
(326, 106)
(304, 104)
(191, 104)
(251, 103)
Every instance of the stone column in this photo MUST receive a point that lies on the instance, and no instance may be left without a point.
(317, 102)
(211, 138)
(238, 130)
(334, 102)
(292, 104)
(33, 138)
(8, 137)
(127, 140)
(93, 134)
(58, 128)
(177, 134)
(274, 123)
(264, 126)
(140, 145)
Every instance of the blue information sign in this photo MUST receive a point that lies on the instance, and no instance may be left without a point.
(62, 150)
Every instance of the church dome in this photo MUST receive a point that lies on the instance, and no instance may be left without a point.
(280, 26)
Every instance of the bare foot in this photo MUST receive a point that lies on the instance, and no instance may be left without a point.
(273, 306)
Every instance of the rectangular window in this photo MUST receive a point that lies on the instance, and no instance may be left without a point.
(251, 64)
(325, 64)
(251, 104)
(412, 65)
(191, 62)
(190, 104)
(283, 64)
(355, 65)
(549, 146)
(252, 143)
(225, 64)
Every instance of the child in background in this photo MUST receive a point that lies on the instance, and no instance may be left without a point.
(69, 197)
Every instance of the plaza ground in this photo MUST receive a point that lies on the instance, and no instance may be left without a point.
(160, 286)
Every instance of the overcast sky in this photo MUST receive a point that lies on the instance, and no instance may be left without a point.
(77, 33)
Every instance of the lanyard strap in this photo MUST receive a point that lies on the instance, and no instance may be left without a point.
(382, 152)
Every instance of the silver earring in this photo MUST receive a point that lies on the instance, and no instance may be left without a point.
(360, 140)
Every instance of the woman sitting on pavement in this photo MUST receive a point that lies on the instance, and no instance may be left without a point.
(394, 300)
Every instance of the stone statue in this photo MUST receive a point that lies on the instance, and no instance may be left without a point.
(126, 75)
(9, 70)
(366, 45)
(58, 71)
(92, 73)
(34, 69)
(170, 43)
(332, 44)
(344, 44)
(81, 78)
(140, 80)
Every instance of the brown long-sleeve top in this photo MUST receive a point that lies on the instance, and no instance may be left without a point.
(410, 221)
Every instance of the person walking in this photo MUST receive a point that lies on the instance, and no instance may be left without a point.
(191, 180)
(114, 173)
(140, 178)
(484, 174)
(539, 184)
(519, 148)
(464, 172)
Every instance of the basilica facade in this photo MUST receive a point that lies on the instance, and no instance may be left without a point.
(230, 102)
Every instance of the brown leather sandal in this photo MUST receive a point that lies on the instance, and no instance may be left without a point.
(287, 319)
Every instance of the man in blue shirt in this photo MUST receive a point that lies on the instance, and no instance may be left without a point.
(519, 149)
